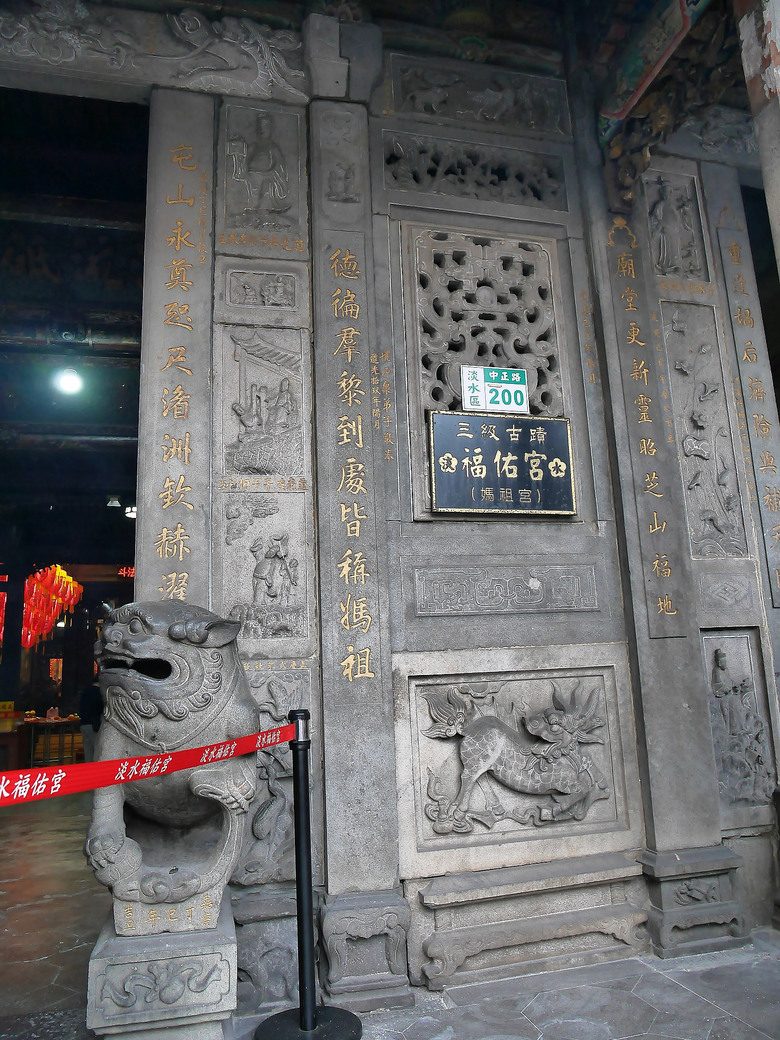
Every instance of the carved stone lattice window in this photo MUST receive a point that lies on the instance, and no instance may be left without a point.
(487, 301)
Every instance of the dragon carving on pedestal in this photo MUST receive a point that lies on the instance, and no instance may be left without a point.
(536, 754)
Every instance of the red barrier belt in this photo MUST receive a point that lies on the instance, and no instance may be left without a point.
(30, 785)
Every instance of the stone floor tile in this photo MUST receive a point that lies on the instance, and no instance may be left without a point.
(50, 1025)
(590, 974)
(668, 995)
(749, 992)
(497, 1020)
(597, 1011)
(733, 1029)
(685, 1023)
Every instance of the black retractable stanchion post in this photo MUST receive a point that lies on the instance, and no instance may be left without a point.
(309, 1022)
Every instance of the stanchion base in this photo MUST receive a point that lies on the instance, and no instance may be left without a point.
(332, 1024)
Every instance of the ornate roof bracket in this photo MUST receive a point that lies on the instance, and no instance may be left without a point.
(704, 65)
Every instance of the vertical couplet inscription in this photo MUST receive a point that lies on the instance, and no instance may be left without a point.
(651, 436)
(172, 542)
(756, 408)
(355, 578)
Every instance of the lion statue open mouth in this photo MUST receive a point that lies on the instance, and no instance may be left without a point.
(166, 845)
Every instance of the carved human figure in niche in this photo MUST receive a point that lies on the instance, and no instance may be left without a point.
(341, 184)
(277, 292)
(260, 168)
(283, 412)
(739, 737)
(672, 231)
(275, 574)
(252, 415)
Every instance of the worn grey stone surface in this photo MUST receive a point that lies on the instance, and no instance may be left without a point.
(154, 982)
(172, 553)
(167, 845)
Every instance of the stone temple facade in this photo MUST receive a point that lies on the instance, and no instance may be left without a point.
(544, 732)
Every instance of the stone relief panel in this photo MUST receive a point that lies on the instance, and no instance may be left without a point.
(507, 746)
(511, 102)
(256, 292)
(723, 591)
(343, 157)
(264, 403)
(674, 220)
(514, 756)
(227, 56)
(264, 576)
(739, 720)
(262, 188)
(413, 163)
(268, 854)
(162, 984)
(482, 300)
(715, 522)
(449, 590)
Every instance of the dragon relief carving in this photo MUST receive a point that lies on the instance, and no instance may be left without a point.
(531, 753)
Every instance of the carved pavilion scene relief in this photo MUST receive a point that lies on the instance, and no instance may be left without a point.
(715, 522)
(487, 301)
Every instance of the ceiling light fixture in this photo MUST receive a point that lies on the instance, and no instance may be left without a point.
(68, 381)
(112, 501)
(131, 512)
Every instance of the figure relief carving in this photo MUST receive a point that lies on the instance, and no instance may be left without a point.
(340, 136)
(228, 56)
(507, 101)
(506, 176)
(697, 890)
(276, 610)
(485, 301)
(259, 166)
(259, 289)
(675, 227)
(170, 678)
(268, 410)
(715, 523)
(530, 752)
(268, 853)
(742, 756)
(723, 130)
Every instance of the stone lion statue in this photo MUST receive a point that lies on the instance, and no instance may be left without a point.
(171, 678)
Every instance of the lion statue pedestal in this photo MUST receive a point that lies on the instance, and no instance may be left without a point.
(166, 845)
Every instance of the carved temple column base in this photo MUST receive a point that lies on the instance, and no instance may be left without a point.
(364, 937)
(693, 904)
(267, 936)
(151, 987)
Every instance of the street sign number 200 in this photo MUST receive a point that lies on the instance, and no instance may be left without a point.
(504, 395)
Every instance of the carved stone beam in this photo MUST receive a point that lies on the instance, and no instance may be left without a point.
(704, 65)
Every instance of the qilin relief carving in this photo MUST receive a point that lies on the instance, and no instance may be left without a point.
(536, 753)
(228, 56)
(268, 853)
(697, 890)
(675, 227)
(739, 735)
(485, 301)
(268, 410)
(509, 102)
(448, 591)
(261, 289)
(715, 521)
(260, 169)
(276, 610)
(473, 171)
